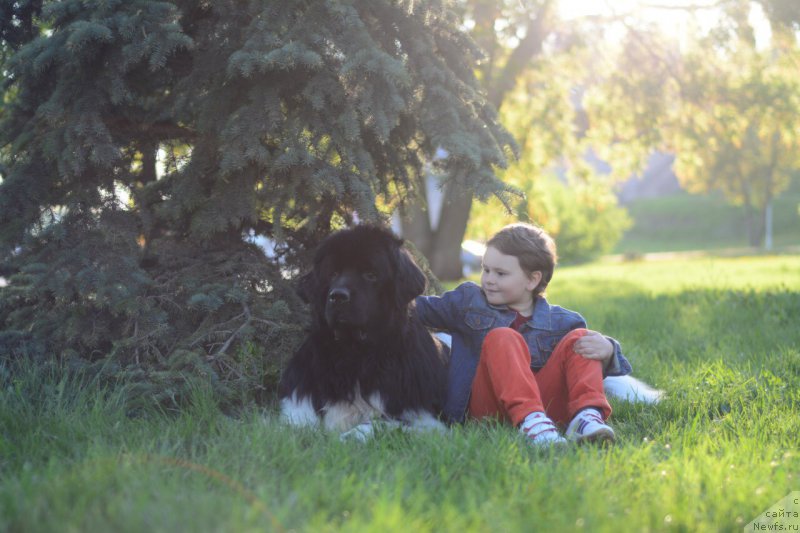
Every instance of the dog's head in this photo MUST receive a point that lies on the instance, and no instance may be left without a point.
(362, 278)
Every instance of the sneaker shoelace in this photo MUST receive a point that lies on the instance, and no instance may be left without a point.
(538, 422)
(587, 418)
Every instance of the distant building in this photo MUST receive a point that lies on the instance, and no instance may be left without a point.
(658, 179)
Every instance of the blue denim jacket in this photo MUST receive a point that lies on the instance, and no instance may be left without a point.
(465, 314)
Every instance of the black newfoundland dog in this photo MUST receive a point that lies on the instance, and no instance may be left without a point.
(367, 357)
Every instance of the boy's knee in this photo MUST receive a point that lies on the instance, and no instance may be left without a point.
(568, 340)
(503, 342)
(575, 334)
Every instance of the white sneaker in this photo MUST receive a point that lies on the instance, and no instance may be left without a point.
(541, 430)
(588, 426)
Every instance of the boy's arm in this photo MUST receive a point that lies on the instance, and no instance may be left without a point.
(441, 312)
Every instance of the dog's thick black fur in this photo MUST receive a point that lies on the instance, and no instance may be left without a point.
(366, 345)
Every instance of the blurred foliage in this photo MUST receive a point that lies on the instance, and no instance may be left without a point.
(581, 214)
(566, 190)
(741, 136)
(591, 110)
(513, 36)
(783, 12)
(727, 107)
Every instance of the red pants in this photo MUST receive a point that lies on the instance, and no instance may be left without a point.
(504, 385)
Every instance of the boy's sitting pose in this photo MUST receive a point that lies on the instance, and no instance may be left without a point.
(516, 357)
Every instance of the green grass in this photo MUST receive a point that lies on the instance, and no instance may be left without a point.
(702, 222)
(719, 335)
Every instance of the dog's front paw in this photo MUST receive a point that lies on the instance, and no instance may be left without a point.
(361, 433)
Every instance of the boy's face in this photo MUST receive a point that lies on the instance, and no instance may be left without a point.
(505, 283)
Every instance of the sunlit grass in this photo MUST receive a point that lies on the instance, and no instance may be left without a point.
(701, 222)
(720, 336)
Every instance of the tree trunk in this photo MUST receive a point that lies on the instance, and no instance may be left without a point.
(530, 46)
(440, 245)
(768, 226)
(755, 227)
(445, 258)
(416, 225)
(770, 172)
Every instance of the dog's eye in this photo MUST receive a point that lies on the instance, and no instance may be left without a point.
(370, 276)
(334, 274)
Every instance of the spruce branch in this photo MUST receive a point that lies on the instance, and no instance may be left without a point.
(236, 333)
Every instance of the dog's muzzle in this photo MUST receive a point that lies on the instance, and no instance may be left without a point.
(338, 313)
(339, 296)
(338, 308)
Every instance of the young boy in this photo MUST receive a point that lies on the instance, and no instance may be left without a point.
(516, 357)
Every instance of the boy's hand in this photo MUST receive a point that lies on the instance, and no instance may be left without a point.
(594, 345)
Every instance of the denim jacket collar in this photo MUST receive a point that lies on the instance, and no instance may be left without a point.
(541, 313)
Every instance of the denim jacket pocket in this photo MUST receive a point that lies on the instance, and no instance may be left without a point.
(478, 320)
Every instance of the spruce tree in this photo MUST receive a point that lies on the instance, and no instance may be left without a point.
(143, 141)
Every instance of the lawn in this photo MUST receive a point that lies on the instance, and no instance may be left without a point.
(700, 222)
(721, 336)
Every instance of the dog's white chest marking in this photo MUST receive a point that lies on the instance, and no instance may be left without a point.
(422, 421)
(355, 419)
(341, 416)
(337, 416)
(298, 412)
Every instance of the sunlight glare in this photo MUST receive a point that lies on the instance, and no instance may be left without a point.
(666, 14)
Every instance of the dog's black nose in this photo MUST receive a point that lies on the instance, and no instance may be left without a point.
(339, 295)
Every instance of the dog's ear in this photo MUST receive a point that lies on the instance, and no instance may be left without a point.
(306, 287)
(411, 281)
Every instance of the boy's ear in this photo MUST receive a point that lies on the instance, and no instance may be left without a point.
(534, 279)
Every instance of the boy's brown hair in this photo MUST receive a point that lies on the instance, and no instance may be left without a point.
(532, 246)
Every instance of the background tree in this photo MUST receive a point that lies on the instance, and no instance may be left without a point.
(740, 137)
(782, 13)
(511, 34)
(532, 58)
(565, 190)
(727, 108)
(143, 139)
